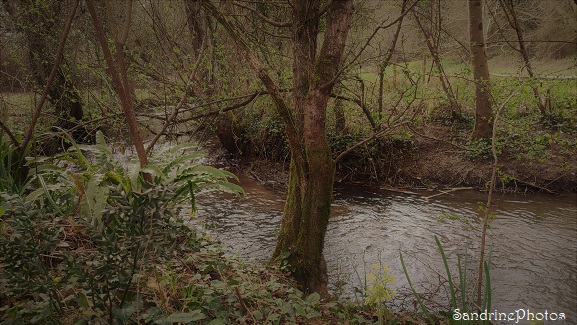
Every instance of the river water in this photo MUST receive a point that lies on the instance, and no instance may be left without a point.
(534, 238)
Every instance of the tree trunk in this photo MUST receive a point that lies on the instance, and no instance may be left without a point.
(307, 210)
(226, 125)
(312, 169)
(42, 38)
(196, 24)
(340, 118)
(118, 73)
(483, 112)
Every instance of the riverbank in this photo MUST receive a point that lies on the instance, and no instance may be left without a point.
(435, 163)
(426, 160)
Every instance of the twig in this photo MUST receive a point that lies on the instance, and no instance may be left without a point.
(536, 77)
(239, 297)
(367, 43)
(537, 186)
(448, 191)
(490, 196)
(10, 134)
(392, 189)
(44, 96)
(437, 139)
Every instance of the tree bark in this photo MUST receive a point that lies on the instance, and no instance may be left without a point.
(307, 207)
(483, 111)
(196, 24)
(302, 233)
(117, 71)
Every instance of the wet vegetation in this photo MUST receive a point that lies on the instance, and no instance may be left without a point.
(99, 186)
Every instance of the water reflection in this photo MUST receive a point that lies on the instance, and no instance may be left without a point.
(534, 239)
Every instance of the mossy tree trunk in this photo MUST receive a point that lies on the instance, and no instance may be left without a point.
(483, 112)
(307, 208)
(312, 169)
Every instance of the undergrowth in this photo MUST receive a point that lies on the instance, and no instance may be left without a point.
(87, 240)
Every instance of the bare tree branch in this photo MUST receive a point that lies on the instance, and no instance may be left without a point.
(44, 96)
(184, 96)
(369, 39)
(263, 17)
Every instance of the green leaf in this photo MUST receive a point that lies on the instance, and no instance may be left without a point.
(154, 171)
(415, 294)
(134, 174)
(83, 300)
(448, 271)
(182, 146)
(218, 321)
(181, 159)
(300, 311)
(313, 298)
(186, 317)
(35, 194)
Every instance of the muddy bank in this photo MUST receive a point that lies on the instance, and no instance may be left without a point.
(426, 162)
(432, 163)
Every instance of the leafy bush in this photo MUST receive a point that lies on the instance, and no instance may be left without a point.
(80, 240)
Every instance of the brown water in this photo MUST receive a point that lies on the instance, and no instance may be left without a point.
(534, 238)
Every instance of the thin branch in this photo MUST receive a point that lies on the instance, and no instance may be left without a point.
(263, 17)
(216, 112)
(366, 140)
(373, 34)
(362, 105)
(490, 196)
(10, 134)
(440, 140)
(262, 72)
(44, 96)
(184, 96)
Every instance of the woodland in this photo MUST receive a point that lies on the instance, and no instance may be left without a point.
(106, 104)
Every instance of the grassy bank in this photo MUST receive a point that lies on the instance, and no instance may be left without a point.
(423, 143)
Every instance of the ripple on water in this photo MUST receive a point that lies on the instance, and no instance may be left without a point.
(534, 261)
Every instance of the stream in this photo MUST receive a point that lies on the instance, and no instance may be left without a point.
(533, 237)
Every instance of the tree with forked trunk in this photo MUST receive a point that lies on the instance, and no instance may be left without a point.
(312, 168)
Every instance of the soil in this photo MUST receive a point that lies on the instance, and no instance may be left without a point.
(430, 163)
(434, 163)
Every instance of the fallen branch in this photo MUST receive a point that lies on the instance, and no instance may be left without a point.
(535, 186)
(448, 191)
(536, 77)
(392, 189)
